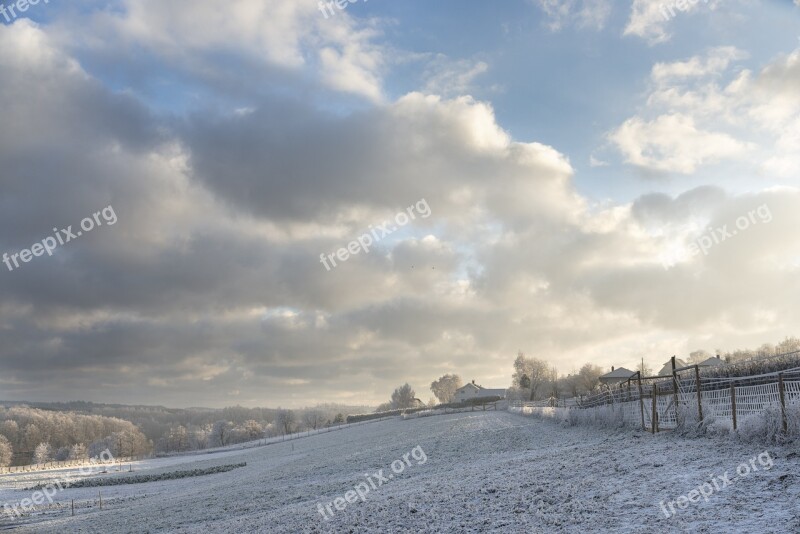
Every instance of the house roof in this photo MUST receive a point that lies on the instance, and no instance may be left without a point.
(620, 373)
(712, 362)
(667, 369)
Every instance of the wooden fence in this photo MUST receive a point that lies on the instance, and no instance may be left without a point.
(661, 403)
(47, 466)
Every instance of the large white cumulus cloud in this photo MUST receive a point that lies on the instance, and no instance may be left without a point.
(210, 283)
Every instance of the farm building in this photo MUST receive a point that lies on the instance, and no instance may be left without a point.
(616, 376)
(667, 369)
(475, 391)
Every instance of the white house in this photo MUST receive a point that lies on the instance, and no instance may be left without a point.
(712, 362)
(474, 391)
(667, 369)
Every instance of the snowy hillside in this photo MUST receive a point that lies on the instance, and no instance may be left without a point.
(480, 472)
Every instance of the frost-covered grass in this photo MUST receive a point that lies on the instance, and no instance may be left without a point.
(94, 482)
(763, 427)
(486, 472)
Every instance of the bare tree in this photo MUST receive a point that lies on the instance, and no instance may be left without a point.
(285, 420)
(445, 387)
(220, 433)
(644, 369)
(313, 418)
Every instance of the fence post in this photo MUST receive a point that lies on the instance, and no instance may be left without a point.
(654, 417)
(73, 506)
(733, 403)
(782, 391)
(675, 391)
(641, 401)
(699, 392)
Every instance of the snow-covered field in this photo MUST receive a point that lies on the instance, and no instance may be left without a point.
(485, 472)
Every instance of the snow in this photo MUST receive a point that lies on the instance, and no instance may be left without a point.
(485, 472)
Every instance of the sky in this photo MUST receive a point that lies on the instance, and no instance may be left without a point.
(194, 196)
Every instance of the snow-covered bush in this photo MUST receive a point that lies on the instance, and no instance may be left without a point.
(689, 424)
(767, 426)
(609, 416)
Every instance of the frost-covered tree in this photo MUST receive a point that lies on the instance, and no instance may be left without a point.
(790, 344)
(78, 452)
(698, 356)
(403, 397)
(27, 427)
(589, 378)
(252, 429)
(32, 435)
(6, 452)
(445, 387)
(10, 429)
(530, 373)
(42, 453)
(200, 437)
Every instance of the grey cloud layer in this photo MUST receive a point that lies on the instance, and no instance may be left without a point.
(209, 291)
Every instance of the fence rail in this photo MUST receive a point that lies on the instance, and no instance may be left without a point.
(661, 403)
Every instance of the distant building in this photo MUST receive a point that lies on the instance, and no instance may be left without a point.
(667, 369)
(712, 362)
(616, 376)
(474, 391)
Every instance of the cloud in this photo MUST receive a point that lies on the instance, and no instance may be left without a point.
(648, 21)
(704, 110)
(582, 13)
(649, 18)
(210, 284)
(448, 78)
(216, 41)
(714, 62)
(673, 143)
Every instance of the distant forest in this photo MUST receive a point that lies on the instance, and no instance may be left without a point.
(40, 432)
